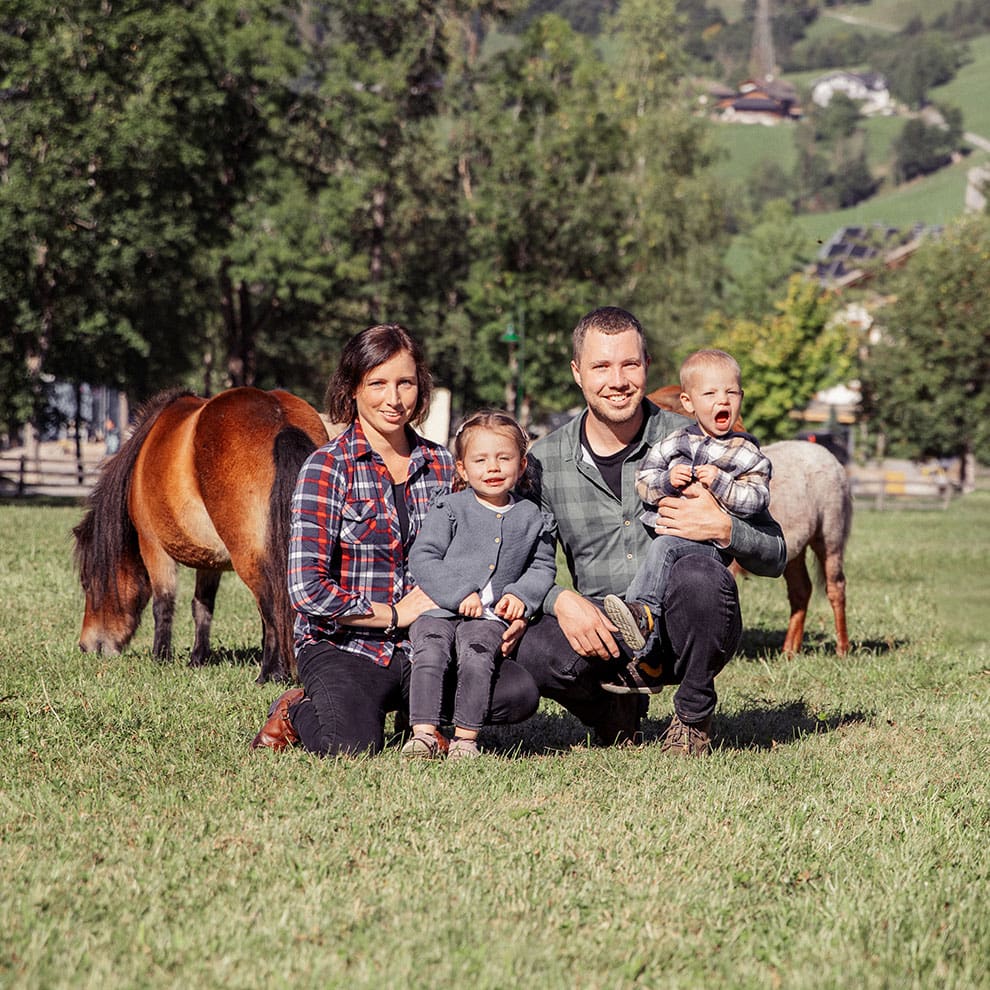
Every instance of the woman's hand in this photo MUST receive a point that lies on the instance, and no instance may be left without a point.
(471, 607)
(411, 606)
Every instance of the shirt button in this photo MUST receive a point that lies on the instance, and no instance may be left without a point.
(491, 567)
(625, 522)
(498, 539)
(628, 556)
(498, 515)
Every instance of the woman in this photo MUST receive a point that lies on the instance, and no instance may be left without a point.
(358, 505)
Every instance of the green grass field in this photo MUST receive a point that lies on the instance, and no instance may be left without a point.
(835, 838)
(969, 89)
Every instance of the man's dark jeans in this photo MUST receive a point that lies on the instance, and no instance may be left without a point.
(700, 628)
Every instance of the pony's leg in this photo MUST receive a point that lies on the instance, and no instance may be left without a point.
(162, 572)
(204, 598)
(798, 594)
(835, 588)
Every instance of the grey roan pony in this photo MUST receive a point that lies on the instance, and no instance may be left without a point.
(810, 497)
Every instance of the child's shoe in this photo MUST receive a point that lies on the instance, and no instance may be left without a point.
(426, 746)
(634, 620)
(463, 749)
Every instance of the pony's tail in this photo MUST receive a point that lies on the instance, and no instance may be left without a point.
(106, 532)
(290, 448)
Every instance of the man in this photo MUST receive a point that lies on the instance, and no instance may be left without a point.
(586, 474)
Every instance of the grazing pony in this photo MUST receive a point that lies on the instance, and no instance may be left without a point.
(811, 498)
(205, 483)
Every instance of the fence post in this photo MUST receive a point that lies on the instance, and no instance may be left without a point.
(21, 480)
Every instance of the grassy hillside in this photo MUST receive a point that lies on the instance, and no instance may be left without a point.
(883, 15)
(935, 200)
(970, 89)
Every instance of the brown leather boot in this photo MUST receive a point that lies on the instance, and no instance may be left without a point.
(277, 733)
(684, 739)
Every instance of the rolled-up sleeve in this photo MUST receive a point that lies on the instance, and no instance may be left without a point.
(314, 552)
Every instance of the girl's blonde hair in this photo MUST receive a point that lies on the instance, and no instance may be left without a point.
(499, 422)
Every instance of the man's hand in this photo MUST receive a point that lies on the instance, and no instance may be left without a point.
(586, 627)
(512, 635)
(696, 515)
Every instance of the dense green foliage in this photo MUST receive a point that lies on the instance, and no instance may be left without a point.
(215, 193)
(836, 837)
(928, 377)
(786, 358)
(223, 192)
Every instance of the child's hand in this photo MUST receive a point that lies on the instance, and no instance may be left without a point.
(706, 474)
(680, 475)
(471, 607)
(510, 608)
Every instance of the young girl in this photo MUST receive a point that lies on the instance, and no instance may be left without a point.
(486, 559)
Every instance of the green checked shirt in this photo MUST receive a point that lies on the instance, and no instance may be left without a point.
(602, 538)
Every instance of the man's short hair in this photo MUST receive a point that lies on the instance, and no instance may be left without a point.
(606, 319)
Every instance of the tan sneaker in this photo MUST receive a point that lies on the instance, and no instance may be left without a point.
(426, 746)
(463, 749)
(682, 739)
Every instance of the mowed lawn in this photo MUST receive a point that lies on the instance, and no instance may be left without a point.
(837, 837)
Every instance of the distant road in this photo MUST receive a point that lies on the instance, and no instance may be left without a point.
(977, 141)
(861, 22)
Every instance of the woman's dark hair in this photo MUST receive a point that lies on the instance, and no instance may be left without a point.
(363, 352)
(498, 422)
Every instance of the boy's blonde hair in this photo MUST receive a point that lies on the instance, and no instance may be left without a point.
(707, 358)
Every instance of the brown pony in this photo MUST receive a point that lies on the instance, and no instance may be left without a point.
(206, 484)
(810, 497)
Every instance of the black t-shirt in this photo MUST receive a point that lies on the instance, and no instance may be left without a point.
(610, 465)
(399, 495)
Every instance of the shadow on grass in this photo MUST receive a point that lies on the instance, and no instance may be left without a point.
(241, 656)
(764, 644)
(771, 726)
(762, 727)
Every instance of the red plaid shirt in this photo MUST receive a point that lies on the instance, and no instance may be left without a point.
(346, 548)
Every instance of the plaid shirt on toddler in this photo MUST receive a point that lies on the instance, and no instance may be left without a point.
(346, 548)
(742, 485)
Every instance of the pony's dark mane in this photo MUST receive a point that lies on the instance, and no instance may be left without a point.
(106, 533)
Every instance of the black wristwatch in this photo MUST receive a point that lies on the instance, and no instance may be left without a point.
(394, 623)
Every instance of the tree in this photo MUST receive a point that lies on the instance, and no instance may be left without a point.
(673, 234)
(775, 248)
(927, 380)
(923, 147)
(787, 358)
(127, 143)
(540, 167)
(915, 63)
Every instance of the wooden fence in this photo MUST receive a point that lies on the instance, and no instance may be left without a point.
(52, 472)
(902, 484)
